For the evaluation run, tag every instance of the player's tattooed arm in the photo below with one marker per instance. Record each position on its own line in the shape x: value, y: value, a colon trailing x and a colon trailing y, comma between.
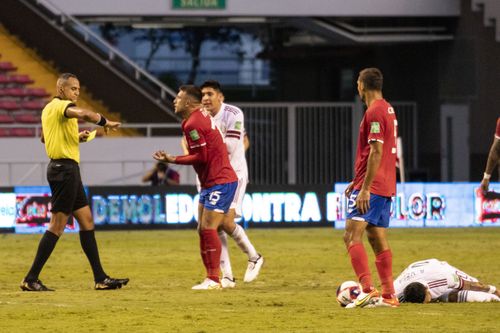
x: 479, y: 286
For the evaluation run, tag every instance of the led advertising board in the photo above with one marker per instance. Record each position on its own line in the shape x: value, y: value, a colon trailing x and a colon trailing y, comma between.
x: 27, y: 209
x: 432, y: 205
x: 415, y: 205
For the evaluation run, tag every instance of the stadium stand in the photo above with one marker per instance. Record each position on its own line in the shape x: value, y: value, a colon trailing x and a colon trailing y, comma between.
x: 25, y: 82
x: 7, y: 67
x: 6, y: 118
x: 97, y: 65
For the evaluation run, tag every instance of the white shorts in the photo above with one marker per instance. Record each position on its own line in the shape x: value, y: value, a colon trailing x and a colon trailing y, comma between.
x: 239, y: 195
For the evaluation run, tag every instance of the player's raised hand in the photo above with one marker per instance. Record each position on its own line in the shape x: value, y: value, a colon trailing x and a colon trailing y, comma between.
x: 111, y: 125
x: 160, y: 155
x: 163, y: 156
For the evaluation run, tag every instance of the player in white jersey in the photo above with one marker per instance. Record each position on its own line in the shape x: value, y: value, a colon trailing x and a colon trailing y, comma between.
x: 230, y: 120
x: 432, y: 280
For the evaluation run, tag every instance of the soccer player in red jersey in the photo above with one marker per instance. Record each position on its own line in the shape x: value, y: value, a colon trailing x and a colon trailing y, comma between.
x: 208, y: 155
x: 371, y: 190
x: 493, y: 158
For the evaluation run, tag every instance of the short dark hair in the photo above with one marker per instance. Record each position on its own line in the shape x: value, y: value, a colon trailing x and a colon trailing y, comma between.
x: 211, y: 84
x: 66, y: 76
x: 415, y: 292
x: 192, y: 91
x: 160, y: 166
x: 372, y: 78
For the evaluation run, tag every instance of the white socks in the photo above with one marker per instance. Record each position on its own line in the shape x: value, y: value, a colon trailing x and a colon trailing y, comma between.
x: 225, y: 263
x: 240, y: 237
x: 476, y: 296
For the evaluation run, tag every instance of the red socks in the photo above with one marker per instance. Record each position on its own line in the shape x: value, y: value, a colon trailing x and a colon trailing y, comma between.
x: 210, y: 248
x: 383, y: 261
x: 359, y: 261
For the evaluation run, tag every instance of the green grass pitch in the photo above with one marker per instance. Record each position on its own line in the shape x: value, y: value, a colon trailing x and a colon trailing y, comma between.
x: 294, y: 293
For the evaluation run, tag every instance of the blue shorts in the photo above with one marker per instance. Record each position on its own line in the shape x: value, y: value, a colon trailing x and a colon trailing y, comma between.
x: 379, y: 213
x: 218, y: 197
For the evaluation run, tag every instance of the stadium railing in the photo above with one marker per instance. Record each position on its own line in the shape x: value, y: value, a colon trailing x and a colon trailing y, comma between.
x: 110, y: 54
x: 313, y: 143
x: 290, y: 143
x: 147, y: 127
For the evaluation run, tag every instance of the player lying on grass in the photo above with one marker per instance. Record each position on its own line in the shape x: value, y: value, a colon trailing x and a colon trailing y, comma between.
x: 432, y: 280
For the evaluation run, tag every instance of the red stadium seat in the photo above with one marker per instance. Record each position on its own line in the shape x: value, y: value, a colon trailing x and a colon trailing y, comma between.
x: 22, y: 132
x: 36, y: 92
x: 6, y: 79
x: 4, y: 132
x: 24, y: 92
x: 27, y: 118
x: 7, y: 67
x: 9, y: 105
x: 14, y: 92
x: 33, y: 105
x: 6, y: 118
x: 21, y: 79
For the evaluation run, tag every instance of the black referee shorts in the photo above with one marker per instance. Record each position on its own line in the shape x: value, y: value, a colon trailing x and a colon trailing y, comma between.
x: 66, y: 186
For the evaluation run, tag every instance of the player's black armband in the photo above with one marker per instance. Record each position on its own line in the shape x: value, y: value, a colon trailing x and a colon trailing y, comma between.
x: 102, y: 121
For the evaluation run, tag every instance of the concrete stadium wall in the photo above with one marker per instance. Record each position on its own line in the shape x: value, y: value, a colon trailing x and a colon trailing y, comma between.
x: 104, y: 161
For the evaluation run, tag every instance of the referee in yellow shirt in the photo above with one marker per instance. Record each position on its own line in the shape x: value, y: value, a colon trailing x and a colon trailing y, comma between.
x: 61, y: 137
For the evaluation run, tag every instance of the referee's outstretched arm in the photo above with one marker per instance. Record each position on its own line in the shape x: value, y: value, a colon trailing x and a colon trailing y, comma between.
x: 91, y: 117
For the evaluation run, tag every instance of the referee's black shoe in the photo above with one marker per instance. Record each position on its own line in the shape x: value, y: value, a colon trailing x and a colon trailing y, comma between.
x: 34, y: 286
x: 110, y: 283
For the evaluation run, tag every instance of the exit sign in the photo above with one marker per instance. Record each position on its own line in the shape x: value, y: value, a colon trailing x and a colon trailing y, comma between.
x: 198, y: 4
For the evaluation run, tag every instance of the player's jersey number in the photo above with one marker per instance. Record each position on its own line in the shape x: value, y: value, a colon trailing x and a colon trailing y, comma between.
x: 351, y: 202
x: 214, y: 197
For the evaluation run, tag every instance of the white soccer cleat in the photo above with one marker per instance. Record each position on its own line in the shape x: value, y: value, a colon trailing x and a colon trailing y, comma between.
x: 207, y: 284
x: 253, y: 269
x: 350, y: 305
x: 227, y: 282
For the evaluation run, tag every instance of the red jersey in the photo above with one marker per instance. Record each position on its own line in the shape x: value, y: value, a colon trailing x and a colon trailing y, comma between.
x: 497, y: 132
x: 379, y: 124
x: 205, y: 142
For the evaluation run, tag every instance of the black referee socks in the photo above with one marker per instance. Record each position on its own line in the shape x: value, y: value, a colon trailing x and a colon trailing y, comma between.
x: 89, y: 246
x: 45, y: 248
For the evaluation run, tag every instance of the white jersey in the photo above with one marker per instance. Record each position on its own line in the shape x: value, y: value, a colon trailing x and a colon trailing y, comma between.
x: 231, y: 123
x: 440, y: 277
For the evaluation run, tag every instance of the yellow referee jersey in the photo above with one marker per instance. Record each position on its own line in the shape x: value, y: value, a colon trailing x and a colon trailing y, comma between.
x: 60, y: 133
